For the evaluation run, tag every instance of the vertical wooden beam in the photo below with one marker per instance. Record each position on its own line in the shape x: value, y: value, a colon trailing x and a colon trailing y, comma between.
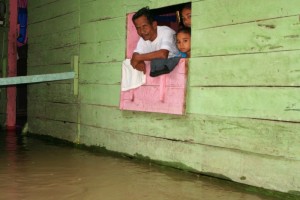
x: 12, y: 64
x: 74, y: 63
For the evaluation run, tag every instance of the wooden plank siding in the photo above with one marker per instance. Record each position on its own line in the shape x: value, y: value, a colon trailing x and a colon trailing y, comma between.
x: 53, y: 31
x: 243, y: 95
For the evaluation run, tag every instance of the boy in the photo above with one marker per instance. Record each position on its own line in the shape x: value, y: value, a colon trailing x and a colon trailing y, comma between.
x: 183, y: 42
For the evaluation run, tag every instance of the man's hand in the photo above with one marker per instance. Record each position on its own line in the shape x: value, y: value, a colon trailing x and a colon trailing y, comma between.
x: 137, y: 63
x: 135, y: 60
x: 141, y: 66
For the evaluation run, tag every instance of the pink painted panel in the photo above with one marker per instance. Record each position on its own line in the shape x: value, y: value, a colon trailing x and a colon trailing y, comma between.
x: 12, y: 64
x: 132, y: 36
x: 163, y: 94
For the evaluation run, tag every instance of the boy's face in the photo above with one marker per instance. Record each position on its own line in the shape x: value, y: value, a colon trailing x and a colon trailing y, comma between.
x: 145, y: 29
x: 186, y: 17
x: 183, y: 41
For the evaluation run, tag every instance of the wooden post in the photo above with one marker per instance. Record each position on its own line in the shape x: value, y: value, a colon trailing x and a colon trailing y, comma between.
x: 12, y: 64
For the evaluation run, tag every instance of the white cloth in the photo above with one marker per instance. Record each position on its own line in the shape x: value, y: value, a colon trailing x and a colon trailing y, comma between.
x: 131, y: 78
x: 165, y: 40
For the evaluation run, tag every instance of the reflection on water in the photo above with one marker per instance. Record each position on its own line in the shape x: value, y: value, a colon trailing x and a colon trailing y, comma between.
x: 34, y: 170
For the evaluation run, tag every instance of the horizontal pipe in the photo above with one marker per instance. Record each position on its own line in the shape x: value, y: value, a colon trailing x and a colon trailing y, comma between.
x: 36, y: 78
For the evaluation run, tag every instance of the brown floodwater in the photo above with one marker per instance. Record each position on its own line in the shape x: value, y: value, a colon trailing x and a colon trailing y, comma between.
x: 35, y: 169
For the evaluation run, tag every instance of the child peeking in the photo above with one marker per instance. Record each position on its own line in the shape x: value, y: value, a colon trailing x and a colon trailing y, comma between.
x: 183, y: 42
x: 186, y: 13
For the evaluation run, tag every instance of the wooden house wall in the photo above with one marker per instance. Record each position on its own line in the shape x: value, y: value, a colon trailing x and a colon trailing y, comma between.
x: 243, y: 96
x: 53, y: 40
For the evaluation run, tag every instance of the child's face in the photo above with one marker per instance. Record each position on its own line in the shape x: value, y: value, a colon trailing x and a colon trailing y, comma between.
x: 186, y: 17
x: 183, y: 41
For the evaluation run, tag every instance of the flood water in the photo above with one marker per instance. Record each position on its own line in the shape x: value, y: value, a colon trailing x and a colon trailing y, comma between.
x: 34, y: 169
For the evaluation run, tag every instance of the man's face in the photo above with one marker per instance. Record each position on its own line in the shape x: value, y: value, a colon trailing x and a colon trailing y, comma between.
x: 144, y: 29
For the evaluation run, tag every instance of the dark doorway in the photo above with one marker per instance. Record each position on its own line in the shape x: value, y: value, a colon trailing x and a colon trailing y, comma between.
x: 21, y: 100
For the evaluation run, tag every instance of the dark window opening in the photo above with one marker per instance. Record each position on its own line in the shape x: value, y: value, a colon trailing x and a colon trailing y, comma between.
x: 169, y: 16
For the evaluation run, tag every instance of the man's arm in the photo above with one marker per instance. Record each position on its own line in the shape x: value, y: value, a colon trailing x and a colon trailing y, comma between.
x: 137, y: 58
x: 160, y: 54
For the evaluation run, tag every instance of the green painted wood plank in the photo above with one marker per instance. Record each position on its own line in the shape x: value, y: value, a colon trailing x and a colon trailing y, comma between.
x: 265, y: 69
x: 48, y: 69
x: 206, y: 159
x: 66, y: 22
x: 53, y: 56
x: 90, y: 10
x: 55, y: 40
x: 262, y: 102
x: 103, y: 52
x: 44, y: 10
x: 64, y: 112
x: 107, y: 95
x: 58, y: 129
x: 277, y: 139
x: 36, y: 125
x: 52, y: 92
x: 38, y: 3
x: 36, y: 108
x: 240, y: 11
x: 166, y: 3
x: 101, y: 73
x: 37, y: 92
x: 248, y: 38
x: 103, y: 30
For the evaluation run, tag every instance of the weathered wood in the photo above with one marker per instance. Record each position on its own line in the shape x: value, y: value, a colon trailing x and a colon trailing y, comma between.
x: 278, y: 139
x: 50, y: 9
x: 49, y: 69
x: 59, y: 129
x: 234, y: 165
x: 212, y: 13
x: 103, y: 52
x: 36, y: 108
x: 57, y: 24
x: 280, y: 34
x: 107, y: 95
x: 65, y: 112
x: 101, y: 73
x: 243, y: 94
x: 55, y: 40
x: 54, y: 92
x: 92, y: 14
x: 265, y: 69
x: 54, y: 56
x: 263, y: 102
x: 103, y: 30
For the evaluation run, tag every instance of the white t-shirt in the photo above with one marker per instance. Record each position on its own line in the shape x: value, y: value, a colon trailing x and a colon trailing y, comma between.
x: 165, y: 40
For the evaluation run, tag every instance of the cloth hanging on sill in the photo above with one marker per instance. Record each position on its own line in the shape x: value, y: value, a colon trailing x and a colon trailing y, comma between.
x: 131, y: 78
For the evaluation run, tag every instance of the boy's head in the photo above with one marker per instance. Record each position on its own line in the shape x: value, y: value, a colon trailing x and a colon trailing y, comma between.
x: 144, y: 23
x: 183, y: 40
x: 186, y: 13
